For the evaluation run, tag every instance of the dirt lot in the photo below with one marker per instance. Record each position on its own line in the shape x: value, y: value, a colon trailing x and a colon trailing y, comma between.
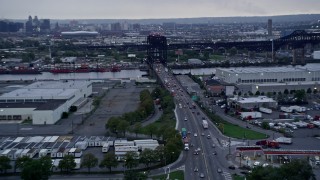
x: 116, y: 102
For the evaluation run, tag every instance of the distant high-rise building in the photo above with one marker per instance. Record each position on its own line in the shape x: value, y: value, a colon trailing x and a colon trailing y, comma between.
x: 29, y: 26
x: 125, y: 26
x: 37, y: 26
x: 136, y: 27
x: 169, y: 25
x: 36, y: 21
x: 73, y: 23
x: 116, y: 27
x: 45, y: 25
x: 7, y: 26
x: 269, y: 27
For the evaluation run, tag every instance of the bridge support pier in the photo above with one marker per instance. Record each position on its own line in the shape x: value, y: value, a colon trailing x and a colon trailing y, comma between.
x: 298, y: 56
x: 251, y: 54
x: 273, y: 57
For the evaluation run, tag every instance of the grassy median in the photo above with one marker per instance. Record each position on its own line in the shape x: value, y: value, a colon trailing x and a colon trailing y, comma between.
x: 234, y: 131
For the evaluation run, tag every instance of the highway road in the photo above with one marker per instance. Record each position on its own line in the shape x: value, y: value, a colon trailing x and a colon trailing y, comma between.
x: 208, y: 159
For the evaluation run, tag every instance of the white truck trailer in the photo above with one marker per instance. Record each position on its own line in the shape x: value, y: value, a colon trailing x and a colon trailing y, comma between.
x: 205, y: 124
x: 290, y: 109
x: 284, y: 140
x: 250, y: 115
x: 265, y: 110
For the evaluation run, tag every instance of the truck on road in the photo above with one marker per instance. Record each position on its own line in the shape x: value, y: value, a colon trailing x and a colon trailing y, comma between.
x: 184, y: 133
x: 185, y: 138
x: 205, y: 124
x: 186, y: 144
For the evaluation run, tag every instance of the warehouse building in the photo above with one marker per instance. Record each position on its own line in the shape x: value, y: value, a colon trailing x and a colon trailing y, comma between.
x: 266, y: 75
x: 252, y: 102
x: 281, y: 87
x: 43, y: 101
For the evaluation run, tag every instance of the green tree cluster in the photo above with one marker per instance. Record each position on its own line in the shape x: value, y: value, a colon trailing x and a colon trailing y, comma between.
x: 34, y: 169
x: 4, y: 164
x: 89, y: 161
x: 122, y: 123
x: 109, y: 161
x: 67, y: 163
x: 296, y: 170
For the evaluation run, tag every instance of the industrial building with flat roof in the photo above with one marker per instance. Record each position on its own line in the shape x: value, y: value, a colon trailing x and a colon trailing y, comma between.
x: 43, y: 101
x: 253, y: 102
x: 251, y: 75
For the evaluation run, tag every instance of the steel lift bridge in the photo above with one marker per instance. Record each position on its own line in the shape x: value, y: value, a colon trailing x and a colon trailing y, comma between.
x: 157, y: 46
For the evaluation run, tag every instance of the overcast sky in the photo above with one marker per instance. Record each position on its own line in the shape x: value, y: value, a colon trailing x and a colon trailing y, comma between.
x: 144, y: 9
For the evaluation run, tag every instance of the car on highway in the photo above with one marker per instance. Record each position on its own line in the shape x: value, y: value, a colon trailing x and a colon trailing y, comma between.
x: 214, y: 152
x: 195, y: 152
x: 209, y: 137
x: 202, y: 134
x: 213, y: 145
x: 232, y: 167
x: 219, y: 170
x: 245, y: 172
x: 185, y: 118
x: 195, y: 134
x: 257, y: 163
x: 201, y: 175
x: 196, y: 169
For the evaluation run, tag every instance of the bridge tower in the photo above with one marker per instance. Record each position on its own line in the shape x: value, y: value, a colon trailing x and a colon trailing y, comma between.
x: 157, y: 48
x: 298, y: 56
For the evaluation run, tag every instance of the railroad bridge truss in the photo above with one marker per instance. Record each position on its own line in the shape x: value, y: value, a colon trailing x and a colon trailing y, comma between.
x: 157, y: 46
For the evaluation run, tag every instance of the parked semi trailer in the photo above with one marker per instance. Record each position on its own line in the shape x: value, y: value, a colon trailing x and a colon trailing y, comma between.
x: 284, y: 140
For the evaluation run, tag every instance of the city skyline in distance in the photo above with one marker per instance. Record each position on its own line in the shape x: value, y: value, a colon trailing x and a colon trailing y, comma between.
x: 150, y: 9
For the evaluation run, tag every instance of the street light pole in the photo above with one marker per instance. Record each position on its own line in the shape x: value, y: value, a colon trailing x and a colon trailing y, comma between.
x: 229, y: 146
x: 72, y: 126
x: 272, y: 50
x: 168, y: 177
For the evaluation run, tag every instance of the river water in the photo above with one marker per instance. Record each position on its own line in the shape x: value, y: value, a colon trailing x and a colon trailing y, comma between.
x: 91, y: 75
x: 98, y: 75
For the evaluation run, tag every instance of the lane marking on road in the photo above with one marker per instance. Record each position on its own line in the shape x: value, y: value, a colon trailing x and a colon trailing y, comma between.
x: 26, y: 129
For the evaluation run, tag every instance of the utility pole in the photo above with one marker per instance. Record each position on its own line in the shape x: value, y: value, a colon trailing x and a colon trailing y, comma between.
x: 272, y: 56
x: 229, y: 146
x: 72, y: 126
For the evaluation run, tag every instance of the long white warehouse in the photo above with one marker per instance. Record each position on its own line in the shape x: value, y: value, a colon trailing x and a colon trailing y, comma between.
x: 251, y: 75
x: 43, y: 101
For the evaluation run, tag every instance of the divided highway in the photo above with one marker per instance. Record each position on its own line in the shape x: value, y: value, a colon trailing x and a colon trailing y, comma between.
x: 206, y: 159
